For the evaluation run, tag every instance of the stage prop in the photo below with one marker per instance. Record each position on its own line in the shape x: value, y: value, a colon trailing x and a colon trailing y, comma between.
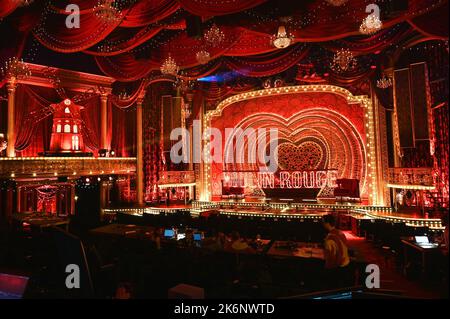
x: 324, y: 134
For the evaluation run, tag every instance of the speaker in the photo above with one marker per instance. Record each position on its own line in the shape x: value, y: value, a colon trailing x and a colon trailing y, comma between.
x: 62, y: 179
x: 194, y: 26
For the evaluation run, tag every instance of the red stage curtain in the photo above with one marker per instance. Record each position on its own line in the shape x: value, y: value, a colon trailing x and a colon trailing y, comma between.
x: 123, y: 140
x: 139, y: 38
x: 125, y: 67
x: 149, y: 11
x: 91, y: 123
x: 216, y: 8
x: 54, y: 35
x: 33, y: 136
x: 7, y: 7
x: 268, y: 64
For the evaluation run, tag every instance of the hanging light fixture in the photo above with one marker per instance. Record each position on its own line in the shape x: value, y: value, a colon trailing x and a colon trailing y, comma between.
x: 343, y: 61
x: 282, y: 39
x: 203, y: 57
x: 384, y: 82
x: 108, y: 11
x: 336, y: 3
x: 15, y: 68
x: 214, y: 36
x: 169, y: 66
x: 371, y: 24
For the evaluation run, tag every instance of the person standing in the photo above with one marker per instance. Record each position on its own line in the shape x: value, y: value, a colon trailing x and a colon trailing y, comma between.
x: 336, y: 255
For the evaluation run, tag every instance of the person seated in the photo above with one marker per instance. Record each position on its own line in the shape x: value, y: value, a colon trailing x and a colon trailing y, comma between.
x: 238, y: 244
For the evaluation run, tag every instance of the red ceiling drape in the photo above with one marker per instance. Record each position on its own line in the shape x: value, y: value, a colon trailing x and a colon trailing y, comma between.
x: 150, y: 11
x: 7, y: 7
x: 217, y: 8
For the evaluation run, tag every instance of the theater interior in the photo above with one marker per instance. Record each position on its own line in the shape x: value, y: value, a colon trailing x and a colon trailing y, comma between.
x: 224, y: 149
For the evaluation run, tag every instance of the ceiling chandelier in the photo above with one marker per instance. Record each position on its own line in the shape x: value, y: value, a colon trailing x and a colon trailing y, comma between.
x: 23, y: 3
x: 282, y: 40
x: 108, y: 11
x: 384, y: 82
x: 15, y: 68
x: 169, y: 66
x: 343, y: 61
x: 203, y: 57
x: 371, y: 24
x: 214, y: 36
x: 336, y: 3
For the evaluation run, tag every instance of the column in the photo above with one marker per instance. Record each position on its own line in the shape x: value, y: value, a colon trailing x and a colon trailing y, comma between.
x: 104, y: 121
x: 139, y: 154
x: 11, y: 135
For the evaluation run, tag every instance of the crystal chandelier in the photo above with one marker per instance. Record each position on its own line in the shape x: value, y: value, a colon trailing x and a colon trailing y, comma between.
x: 203, y: 57
x: 384, y: 82
x: 169, y: 66
x: 343, y: 61
x: 336, y: 3
x: 15, y: 68
x: 108, y: 11
x: 124, y: 96
x: 214, y: 36
x: 23, y: 3
x: 370, y: 25
x: 282, y: 40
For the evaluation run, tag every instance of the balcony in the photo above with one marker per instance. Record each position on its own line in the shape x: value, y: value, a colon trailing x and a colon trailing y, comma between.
x: 177, y: 178
x: 37, y: 167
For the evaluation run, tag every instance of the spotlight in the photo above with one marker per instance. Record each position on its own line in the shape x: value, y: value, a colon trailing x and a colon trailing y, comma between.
x: 112, y: 153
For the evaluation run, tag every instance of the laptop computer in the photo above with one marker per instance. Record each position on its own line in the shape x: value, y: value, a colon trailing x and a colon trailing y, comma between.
x: 424, y: 241
x: 12, y: 286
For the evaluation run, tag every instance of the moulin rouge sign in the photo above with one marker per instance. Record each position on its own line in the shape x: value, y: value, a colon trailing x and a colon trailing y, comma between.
x: 286, y: 179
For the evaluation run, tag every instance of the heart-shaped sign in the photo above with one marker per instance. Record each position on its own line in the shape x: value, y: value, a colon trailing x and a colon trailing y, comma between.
x: 306, y: 156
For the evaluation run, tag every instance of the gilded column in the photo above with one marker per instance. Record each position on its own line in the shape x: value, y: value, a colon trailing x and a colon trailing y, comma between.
x: 139, y: 154
x: 11, y: 134
x: 104, y: 121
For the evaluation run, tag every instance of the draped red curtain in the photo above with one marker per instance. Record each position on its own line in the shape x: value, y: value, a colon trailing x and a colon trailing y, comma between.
x: 268, y: 64
x: 33, y: 136
x: 150, y: 11
x: 123, y: 140
x: 90, y: 115
x: 216, y: 8
x: 7, y: 7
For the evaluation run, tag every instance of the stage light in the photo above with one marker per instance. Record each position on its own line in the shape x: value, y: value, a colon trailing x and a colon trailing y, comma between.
x: 112, y: 153
x: 87, y: 180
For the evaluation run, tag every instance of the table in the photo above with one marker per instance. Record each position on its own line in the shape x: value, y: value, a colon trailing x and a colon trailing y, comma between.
x: 40, y: 221
x: 426, y: 251
x: 122, y: 230
x: 296, y: 249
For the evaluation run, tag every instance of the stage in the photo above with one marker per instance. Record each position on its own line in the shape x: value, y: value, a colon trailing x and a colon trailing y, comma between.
x: 277, y: 210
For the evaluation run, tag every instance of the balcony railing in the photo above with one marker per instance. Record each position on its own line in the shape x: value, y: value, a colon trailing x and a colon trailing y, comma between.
x: 24, y: 167
x: 177, y: 177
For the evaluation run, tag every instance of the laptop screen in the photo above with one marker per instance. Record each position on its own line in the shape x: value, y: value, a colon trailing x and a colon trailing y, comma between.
x: 169, y: 233
x: 422, y: 239
x: 12, y: 286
